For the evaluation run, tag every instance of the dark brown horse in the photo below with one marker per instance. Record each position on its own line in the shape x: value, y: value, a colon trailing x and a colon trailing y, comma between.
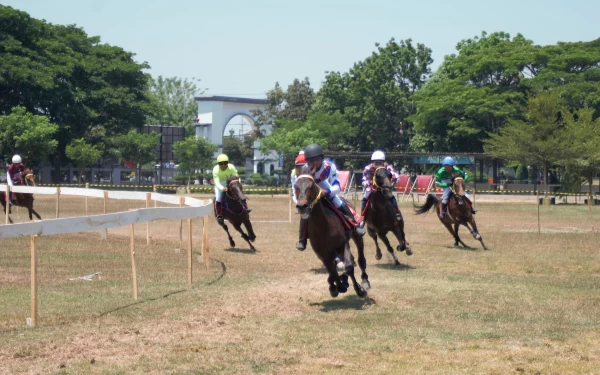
x: 459, y: 211
x: 329, y: 238
x: 234, y: 210
x: 23, y: 199
x: 381, y: 215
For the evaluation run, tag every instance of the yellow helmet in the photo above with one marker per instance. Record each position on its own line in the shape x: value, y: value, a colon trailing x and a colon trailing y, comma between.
x: 221, y: 158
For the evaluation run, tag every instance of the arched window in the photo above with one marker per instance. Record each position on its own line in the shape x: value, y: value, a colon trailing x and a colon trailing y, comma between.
x: 271, y: 169
x: 260, y: 168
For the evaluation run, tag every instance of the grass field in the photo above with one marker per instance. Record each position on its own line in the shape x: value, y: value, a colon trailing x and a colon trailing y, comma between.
x: 529, y: 305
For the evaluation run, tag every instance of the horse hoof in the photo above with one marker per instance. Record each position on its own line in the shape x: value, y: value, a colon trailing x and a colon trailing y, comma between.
x: 333, y: 291
x: 409, y: 251
x: 366, y: 285
x: 399, y: 248
x: 378, y: 256
x: 361, y: 293
x: 252, y: 239
x: 232, y: 244
x: 342, y: 289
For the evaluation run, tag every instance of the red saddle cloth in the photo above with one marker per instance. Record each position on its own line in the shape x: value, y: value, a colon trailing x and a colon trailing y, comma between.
x: 348, y: 224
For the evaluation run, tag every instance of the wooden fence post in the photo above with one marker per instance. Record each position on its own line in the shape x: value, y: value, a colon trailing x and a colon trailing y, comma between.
x: 7, y: 202
x: 148, y: 198
x: 181, y: 203
x: 205, y: 250
x: 133, y: 268
x: 34, y: 292
x: 189, y: 222
x: 105, y: 206
x: 57, y: 201
x: 87, y: 186
x: 291, y: 203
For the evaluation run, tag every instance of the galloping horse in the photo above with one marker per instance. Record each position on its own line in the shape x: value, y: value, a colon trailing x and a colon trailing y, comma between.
x: 234, y: 211
x: 459, y: 211
x: 328, y: 238
x: 381, y: 215
x: 23, y: 199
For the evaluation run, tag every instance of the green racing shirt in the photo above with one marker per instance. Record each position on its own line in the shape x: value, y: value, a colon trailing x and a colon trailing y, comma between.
x: 442, y: 175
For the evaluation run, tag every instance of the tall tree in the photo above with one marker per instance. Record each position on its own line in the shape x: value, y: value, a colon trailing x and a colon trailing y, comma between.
x: 376, y: 95
x: 136, y: 147
x: 540, y: 140
x: 89, y: 89
x: 173, y: 102
x: 193, y: 154
x: 238, y: 149
x: 82, y: 154
x: 32, y: 136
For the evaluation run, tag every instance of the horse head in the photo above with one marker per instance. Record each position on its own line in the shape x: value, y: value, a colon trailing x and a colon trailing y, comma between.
x: 235, y: 190
x: 382, y: 181
x: 28, y: 177
x: 458, y: 189
x: 308, y: 193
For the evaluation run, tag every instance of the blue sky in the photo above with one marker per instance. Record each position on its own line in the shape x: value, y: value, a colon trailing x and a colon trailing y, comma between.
x: 243, y: 47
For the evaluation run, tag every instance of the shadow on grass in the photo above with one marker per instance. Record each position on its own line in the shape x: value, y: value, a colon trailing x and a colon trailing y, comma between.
x: 241, y: 251
x: 219, y: 277
x: 349, y: 302
x: 319, y: 271
x: 460, y: 247
x: 392, y: 266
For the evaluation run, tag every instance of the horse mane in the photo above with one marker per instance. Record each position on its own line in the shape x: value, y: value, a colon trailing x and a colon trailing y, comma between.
x: 231, y: 178
x: 305, y: 169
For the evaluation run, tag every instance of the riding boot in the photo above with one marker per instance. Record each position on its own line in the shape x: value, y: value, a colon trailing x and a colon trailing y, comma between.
x: 444, y: 208
x: 363, y: 213
x: 301, y: 244
x: 219, y: 208
x: 344, y: 209
x: 395, y: 205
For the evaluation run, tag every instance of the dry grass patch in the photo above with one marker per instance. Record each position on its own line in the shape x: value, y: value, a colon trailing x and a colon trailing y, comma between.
x: 529, y: 305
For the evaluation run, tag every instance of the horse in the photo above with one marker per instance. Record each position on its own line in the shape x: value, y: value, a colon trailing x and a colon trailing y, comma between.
x: 459, y: 211
x: 328, y: 237
x: 381, y: 215
x: 234, y: 210
x: 23, y: 199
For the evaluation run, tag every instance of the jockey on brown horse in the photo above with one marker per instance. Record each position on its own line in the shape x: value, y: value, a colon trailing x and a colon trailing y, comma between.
x: 325, y: 174
x: 19, y: 175
x: 14, y: 175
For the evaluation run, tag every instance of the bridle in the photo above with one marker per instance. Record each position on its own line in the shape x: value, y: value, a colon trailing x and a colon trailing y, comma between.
x: 319, y: 196
x: 452, y: 187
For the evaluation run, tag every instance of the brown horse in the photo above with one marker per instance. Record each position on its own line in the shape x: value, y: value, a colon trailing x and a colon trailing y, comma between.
x: 234, y: 210
x: 329, y: 238
x: 23, y: 199
x: 459, y: 211
x: 381, y: 215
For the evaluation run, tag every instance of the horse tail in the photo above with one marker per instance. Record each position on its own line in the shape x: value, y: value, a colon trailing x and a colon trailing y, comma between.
x: 432, y: 201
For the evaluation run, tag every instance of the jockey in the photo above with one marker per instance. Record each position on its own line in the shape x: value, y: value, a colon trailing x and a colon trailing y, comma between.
x: 443, y: 179
x: 300, y: 161
x: 327, y: 179
x: 377, y: 161
x: 15, y: 174
x: 221, y: 172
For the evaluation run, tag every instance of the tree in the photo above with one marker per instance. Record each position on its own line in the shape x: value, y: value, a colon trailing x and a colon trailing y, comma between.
x: 584, y: 134
x: 376, y: 95
x: 173, y: 101
x: 82, y: 154
x: 194, y: 154
x: 541, y: 139
x: 238, y: 149
x: 32, y: 136
x: 137, y: 147
x: 87, y: 88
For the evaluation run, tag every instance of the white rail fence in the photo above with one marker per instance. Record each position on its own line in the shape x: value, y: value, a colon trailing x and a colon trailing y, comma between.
x: 189, y: 208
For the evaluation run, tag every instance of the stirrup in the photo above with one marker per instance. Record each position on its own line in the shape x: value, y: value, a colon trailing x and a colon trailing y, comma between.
x: 399, y: 217
x: 248, y: 210
x: 359, y: 230
x: 301, y: 245
x: 473, y: 211
x: 220, y: 220
x: 442, y: 214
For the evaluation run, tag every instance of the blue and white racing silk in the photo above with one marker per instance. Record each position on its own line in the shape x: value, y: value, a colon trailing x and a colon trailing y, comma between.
x: 327, y: 179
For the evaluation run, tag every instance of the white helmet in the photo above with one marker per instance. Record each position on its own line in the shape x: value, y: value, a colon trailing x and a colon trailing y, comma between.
x: 378, y: 156
x: 16, y: 159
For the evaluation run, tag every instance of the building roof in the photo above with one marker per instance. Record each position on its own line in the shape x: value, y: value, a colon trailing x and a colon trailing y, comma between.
x: 230, y: 99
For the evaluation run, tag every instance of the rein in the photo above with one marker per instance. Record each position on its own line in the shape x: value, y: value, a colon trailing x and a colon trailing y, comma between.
x: 375, y: 177
x: 318, y: 198
x: 452, y: 187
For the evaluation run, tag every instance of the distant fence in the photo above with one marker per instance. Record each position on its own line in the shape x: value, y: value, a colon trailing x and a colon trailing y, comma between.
x: 189, y: 208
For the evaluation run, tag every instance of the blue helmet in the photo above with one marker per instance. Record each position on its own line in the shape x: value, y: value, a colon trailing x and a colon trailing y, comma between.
x: 448, y: 161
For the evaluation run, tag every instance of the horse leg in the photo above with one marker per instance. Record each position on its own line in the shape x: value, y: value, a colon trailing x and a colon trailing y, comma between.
x: 475, y: 233
x: 399, y: 233
x: 4, y: 207
x: 31, y: 210
x: 238, y: 227
x: 362, y: 261
x: 231, y: 242
x: 335, y: 283
x: 373, y: 235
x: 449, y: 227
x: 389, y: 247
x: 456, y: 236
x: 249, y: 229
x: 360, y: 291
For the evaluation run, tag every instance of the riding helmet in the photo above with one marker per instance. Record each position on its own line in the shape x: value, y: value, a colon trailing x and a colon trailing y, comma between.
x: 221, y: 158
x: 448, y: 161
x: 16, y: 159
x: 378, y: 156
x: 312, y: 151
